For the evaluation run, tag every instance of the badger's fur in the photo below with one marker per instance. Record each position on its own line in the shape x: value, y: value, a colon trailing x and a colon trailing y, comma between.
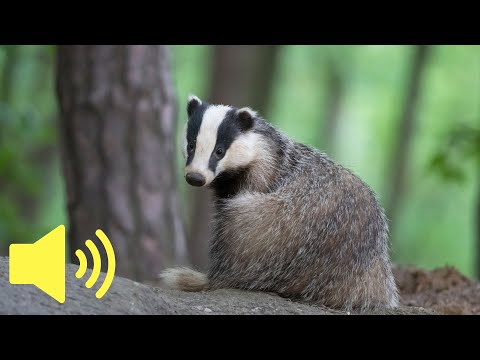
x: 287, y: 218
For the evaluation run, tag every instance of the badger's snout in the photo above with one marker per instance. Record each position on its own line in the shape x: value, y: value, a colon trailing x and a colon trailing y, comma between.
x: 195, y: 179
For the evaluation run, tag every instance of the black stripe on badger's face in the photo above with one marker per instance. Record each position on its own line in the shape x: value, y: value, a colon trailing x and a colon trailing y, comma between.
x: 193, y: 127
x: 227, y: 132
x: 217, y: 140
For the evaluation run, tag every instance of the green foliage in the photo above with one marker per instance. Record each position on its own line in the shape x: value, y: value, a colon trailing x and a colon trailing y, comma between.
x: 28, y: 142
x: 462, y: 144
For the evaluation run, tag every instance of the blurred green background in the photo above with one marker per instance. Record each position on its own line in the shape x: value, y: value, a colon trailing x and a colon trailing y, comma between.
x: 436, y: 219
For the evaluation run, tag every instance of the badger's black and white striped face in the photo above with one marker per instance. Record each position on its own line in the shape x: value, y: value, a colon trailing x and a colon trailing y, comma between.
x: 218, y: 138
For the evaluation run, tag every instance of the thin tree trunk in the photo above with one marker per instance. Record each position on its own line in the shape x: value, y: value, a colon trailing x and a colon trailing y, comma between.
x: 335, y: 90
x: 406, y: 126
x: 117, y: 132
x: 259, y: 90
x: 477, y: 218
x: 241, y: 76
x: 477, y: 250
x: 8, y: 76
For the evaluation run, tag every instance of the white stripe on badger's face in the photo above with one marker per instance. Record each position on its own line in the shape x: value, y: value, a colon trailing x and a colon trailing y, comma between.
x: 206, y: 140
x: 243, y: 150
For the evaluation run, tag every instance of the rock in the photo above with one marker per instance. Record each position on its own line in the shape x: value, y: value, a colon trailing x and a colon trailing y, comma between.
x: 129, y: 297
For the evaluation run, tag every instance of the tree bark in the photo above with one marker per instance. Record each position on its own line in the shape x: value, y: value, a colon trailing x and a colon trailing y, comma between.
x: 406, y: 126
x: 117, y: 131
x: 241, y: 76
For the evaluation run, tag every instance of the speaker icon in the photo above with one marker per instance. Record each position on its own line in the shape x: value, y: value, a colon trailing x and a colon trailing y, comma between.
x: 43, y: 264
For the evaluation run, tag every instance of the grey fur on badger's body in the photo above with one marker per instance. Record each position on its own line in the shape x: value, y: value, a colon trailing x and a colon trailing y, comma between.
x: 291, y: 221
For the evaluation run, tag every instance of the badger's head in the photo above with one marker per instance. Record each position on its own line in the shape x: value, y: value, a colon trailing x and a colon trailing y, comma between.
x: 218, y: 139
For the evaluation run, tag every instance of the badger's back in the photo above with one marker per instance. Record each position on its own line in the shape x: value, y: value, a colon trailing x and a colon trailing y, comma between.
x: 318, y: 234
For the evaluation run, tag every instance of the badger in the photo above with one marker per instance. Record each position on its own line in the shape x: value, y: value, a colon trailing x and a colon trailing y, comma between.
x: 287, y: 218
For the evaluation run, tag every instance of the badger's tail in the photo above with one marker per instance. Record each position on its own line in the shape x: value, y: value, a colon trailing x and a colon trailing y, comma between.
x: 185, y: 279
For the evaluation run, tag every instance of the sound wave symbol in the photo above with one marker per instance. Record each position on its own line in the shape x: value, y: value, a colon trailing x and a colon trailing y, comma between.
x: 97, y: 263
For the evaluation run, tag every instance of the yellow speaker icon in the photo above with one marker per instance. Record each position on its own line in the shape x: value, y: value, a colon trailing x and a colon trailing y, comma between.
x: 43, y: 264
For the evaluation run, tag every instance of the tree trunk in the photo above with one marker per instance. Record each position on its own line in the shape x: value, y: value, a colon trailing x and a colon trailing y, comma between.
x: 477, y: 250
x: 241, y: 76
x: 8, y: 76
x: 406, y: 125
x: 477, y: 215
x: 117, y: 131
x: 335, y: 90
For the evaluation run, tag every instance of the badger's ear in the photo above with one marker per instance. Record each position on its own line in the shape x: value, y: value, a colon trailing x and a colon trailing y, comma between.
x: 246, y: 118
x: 193, y: 102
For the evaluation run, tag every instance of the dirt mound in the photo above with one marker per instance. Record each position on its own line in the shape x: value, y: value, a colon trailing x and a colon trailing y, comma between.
x: 444, y: 290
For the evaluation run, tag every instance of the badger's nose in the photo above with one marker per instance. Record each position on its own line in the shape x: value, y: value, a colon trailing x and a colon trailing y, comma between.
x: 195, y: 179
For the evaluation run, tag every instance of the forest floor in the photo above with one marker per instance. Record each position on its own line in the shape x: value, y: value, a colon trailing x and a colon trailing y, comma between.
x: 444, y: 290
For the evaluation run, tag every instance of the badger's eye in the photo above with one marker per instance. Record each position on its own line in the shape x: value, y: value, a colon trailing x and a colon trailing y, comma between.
x: 219, y: 152
x: 191, y: 145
